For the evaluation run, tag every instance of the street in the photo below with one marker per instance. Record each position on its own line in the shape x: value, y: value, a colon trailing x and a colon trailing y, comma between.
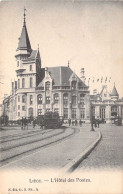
x: 109, y: 152
x: 55, y: 148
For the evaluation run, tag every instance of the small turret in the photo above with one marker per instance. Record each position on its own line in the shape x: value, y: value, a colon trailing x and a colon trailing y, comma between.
x: 114, y: 94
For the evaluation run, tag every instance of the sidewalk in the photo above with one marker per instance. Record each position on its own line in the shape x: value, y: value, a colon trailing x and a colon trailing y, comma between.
x: 59, y: 154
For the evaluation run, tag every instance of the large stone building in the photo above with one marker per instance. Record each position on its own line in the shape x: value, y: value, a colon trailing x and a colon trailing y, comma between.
x: 107, y: 105
x: 38, y: 90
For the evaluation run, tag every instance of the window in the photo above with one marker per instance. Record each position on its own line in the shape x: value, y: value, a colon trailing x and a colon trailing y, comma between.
x: 23, y: 108
x: 82, y: 113
x: 48, y: 100
x: 73, y: 100
x: 18, y: 98
x: 56, y: 98
x: 31, y: 82
x: 73, y: 113
x: 47, y: 85
x: 30, y: 112
x: 17, y: 63
x: 39, y: 99
x: 47, y: 110
x: 93, y: 112
x: 18, y: 107
x: 18, y: 114
x: 65, y: 98
x: 73, y: 85
x: 23, y: 82
x: 39, y: 111
x: 65, y: 113
x: 23, y: 98
x: 31, y: 99
x: 18, y: 83
x: 102, y: 112
x: 56, y: 110
x: 30, y: 67
x: 82, y: 99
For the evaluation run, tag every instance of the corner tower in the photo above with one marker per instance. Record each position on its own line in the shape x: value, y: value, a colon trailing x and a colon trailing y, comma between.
x: 28, y: 72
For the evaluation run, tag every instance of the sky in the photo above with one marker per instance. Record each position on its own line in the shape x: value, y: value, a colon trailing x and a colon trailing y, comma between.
x: 87, y: 33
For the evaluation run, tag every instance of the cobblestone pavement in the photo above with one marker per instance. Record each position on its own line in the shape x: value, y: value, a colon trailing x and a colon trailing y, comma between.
x: 59, y: 154
x: 109, y: 152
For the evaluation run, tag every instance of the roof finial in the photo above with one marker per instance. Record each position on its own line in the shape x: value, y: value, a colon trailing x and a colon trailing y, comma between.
x: 24, y: 16
x: 68, y: 63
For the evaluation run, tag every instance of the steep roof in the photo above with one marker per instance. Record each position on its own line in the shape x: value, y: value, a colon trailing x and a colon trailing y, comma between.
x: 24, y: 42
x: 114, y: 91
x: 61, y: 76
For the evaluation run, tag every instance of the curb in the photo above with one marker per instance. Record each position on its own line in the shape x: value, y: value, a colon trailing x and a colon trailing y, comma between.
x: 71, y: 166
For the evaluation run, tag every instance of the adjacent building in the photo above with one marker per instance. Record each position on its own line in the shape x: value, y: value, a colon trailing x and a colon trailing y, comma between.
x: 107, y: 105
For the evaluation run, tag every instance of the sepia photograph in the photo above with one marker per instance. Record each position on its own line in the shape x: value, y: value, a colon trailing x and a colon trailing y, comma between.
x: 61, y: 97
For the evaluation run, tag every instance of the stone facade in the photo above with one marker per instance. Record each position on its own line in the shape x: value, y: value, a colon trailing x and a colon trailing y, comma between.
x: 38, y: 90
x: 107, y: 105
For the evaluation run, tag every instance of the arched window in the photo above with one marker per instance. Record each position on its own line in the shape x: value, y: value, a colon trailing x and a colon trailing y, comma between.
x: 30, y: 112
x: 114, y: 111
x: 73, y: 85
x: 23, y: 82
x: 23, y: 98
x: 102, y: 112
x: 39, y: 99
x: 65, y: 98
x: 56, y: 98
x: 18, y: 83
x: 48, y: 100
x: 47, y: 85
x: 74, y: 100
x: 31, y: 82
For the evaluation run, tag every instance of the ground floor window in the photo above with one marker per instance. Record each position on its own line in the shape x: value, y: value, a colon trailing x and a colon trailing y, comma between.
x: 56, y: 110
x: 39, y: 111
x: 73, y: 113
x: 65, y: 113
x: 102, y: 112
x: 82, y: 113
x: 19, y: 114
x: 30, y: 112
x: 114, y: 111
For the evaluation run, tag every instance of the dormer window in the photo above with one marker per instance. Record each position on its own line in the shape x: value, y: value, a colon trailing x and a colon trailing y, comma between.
x: 47, y: 85
x: 73, y: 85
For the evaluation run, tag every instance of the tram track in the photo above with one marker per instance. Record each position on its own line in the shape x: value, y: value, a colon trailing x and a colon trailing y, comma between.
x: 29, y: 134
x: 38, y: 147
x: 32, y: 141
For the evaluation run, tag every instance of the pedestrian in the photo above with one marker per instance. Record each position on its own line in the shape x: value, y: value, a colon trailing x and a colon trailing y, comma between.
x: 95, y: 123
x: 34, y: 123
x: 80, y: 123
x: 69, y: 121
x: 76, y: 122
x: 22, y: 123
x: 98, y: 123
